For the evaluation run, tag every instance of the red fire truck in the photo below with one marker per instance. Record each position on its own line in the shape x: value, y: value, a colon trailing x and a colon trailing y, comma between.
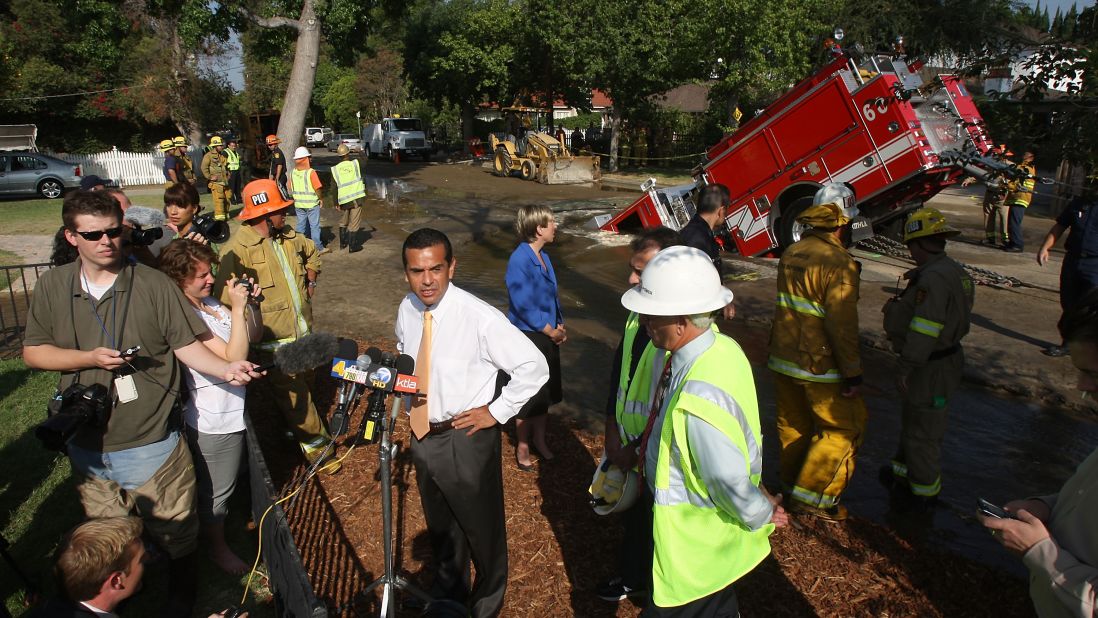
x: 870, y: 122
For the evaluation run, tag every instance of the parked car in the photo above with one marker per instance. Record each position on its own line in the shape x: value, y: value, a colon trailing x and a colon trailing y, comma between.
x: 315, y: 137
x: 353, y: 142
x: 29, y: 173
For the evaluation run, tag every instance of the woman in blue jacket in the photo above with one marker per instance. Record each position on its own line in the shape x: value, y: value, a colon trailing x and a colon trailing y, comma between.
x: 535, y: 310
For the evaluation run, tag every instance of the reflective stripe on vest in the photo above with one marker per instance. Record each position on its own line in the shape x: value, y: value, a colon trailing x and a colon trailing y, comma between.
x: 633, y: 408
x: 793, y: 370
x: 348, y: 178
x: 234, y: 159
x: 800, y: 304
x: 700, y: 548
x: 291, y: 284
x: 303, y: 193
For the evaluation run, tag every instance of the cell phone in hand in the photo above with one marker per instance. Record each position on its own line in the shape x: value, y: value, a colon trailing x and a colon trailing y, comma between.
x: 131, y: 351
x: 991, y: 510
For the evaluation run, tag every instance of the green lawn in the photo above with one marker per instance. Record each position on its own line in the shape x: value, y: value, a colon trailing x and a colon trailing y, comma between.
x: 38, y: 504
x: 41, y: 216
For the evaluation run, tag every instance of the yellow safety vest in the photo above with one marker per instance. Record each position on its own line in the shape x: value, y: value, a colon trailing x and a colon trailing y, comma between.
x: 1021, y: 194
x: 234, y: 159
x: 303, y: 192
x: 348, y: 178
x: 699, y: 547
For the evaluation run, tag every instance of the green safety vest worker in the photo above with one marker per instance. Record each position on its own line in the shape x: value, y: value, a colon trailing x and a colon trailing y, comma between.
x: 700, y: 548
x: 348, y: 179
x: 234, y: 159
x: 304, y: 195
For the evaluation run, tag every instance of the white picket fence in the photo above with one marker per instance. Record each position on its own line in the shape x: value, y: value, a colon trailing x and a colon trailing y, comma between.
x: 125, y: 168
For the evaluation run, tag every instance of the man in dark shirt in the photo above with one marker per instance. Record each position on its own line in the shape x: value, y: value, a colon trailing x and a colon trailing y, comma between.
x: 1079, y: 273
x: 712, y: 207
x: 635, y: 553
x: 277, y: 172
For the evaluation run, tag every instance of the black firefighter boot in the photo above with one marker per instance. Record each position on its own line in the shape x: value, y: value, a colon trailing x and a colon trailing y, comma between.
x: 342, y: 238
x: 182, y: 586
x: 355, y: 240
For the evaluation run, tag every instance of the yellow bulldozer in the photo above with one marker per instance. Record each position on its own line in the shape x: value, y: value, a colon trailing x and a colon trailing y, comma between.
x: 542, y: 157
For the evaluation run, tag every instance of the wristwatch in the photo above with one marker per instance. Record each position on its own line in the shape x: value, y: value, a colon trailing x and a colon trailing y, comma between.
x: 311, y: 284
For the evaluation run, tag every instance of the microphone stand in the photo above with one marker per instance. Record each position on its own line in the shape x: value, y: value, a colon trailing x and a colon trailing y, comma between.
x: 389, y: 581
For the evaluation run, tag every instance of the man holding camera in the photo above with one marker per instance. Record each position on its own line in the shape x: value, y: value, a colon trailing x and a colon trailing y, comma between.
x: 117, y: 332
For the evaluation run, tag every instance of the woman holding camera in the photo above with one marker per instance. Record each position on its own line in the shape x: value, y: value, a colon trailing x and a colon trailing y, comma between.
x: 214, y: 411
x: 535, y: 310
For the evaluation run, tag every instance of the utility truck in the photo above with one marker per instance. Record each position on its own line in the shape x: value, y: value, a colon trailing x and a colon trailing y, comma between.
x: 397, y: 136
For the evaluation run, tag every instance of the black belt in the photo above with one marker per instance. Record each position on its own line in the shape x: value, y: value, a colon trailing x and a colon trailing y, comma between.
x: 940, y: 354
x: 442, y: 427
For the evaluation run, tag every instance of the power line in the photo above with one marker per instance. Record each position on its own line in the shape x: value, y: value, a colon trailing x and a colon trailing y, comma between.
x: 89, y: 92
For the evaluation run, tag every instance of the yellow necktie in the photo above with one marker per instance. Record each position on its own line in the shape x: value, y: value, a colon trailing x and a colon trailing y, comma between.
x: 420, y: 420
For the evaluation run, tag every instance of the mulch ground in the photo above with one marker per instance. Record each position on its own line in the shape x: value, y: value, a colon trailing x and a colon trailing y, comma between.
x: 559, y: 549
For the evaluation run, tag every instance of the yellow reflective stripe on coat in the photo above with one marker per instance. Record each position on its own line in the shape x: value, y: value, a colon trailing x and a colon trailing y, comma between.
x: 812, y: 498
x: 303, y: 192
x: 291, y: 284
x: 800, y: 304
x: 792, y: 370
x: 926, y: 327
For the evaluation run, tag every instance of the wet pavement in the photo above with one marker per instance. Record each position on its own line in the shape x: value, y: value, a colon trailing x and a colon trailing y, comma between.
x: 997, y: 448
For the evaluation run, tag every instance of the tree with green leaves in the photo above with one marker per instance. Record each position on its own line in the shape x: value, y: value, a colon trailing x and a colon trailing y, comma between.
x: 462, y: 51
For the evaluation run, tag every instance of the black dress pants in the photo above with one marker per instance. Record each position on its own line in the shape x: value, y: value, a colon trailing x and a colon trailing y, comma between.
x: 460, y: 483
x: 720, y: 604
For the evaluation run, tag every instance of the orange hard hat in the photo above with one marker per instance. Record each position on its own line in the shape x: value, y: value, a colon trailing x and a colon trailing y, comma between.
x: 262, y: 197
x: 273, y: 139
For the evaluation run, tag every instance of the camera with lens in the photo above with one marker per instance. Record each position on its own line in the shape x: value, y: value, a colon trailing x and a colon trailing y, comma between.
x: 143, y: 238
x: 213, y: 230
x: 76, y: 406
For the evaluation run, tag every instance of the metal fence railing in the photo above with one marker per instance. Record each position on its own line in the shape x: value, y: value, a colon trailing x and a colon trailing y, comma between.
x: 17, y: 283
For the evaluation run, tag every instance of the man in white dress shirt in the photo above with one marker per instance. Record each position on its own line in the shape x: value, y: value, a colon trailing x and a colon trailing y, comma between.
x: 460, y: 343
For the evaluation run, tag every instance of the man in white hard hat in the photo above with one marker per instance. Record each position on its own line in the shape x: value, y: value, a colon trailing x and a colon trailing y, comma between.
x: 306, y: 191
x: 701, y: 452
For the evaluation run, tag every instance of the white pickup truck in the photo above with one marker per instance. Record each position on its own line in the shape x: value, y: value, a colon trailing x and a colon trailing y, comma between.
x: 397, y: 135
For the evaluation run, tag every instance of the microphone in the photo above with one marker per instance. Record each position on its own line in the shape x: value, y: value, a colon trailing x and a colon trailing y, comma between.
x: 145, y: 217
x: 308, y: 352
x: 338, y: 425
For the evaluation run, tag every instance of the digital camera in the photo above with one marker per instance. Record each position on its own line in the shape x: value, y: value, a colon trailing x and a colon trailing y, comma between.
x: 71, y: 409
x: 213, y: 230
x: 144, y: 238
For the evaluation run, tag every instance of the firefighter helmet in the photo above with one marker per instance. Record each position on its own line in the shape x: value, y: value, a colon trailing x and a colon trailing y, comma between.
x: 167, y: 145
x: 927, y: 222
x: 678, y: 281
x: 343, y: 150
x: 302, y: 153
x: 841, y: 195
x: 612, y: 489
x: 272, y: 140
x: 179, y: 140
x: 216, y: 141
x: 262, y: 197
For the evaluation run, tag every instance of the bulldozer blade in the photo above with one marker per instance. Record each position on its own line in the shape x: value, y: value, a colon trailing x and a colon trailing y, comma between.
x: 569, y: 171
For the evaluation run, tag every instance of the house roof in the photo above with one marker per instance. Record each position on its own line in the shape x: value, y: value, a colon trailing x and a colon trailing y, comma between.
x: 690, y: 98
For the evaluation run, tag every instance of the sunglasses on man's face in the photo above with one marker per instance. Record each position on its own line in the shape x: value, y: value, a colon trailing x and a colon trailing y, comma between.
x: 113, y: 232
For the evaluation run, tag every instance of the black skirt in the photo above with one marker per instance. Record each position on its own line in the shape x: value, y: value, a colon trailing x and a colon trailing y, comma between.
x: 551, y: 392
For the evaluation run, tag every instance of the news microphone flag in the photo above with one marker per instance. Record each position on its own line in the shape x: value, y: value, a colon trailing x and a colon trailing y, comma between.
x: 377, y: 377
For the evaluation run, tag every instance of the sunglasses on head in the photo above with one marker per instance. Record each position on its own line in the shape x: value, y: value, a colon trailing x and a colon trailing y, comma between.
x: 113, y: 232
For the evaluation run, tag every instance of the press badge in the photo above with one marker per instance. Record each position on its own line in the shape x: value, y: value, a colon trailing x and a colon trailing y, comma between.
x: 126, y: 389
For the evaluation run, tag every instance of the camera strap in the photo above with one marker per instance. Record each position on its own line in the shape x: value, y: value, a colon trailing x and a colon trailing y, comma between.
x: 116, y: 339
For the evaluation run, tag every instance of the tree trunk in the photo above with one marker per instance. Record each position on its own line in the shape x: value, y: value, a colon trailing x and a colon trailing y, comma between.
x: 468, y: 115
x: 291, y: 123
x: 615, y: 138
